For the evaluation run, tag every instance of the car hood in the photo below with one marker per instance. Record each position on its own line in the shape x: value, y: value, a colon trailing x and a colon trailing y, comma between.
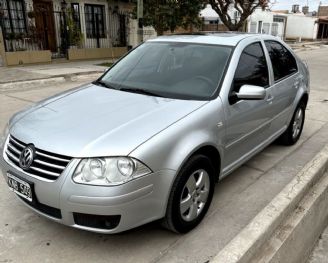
x: 95, y: 121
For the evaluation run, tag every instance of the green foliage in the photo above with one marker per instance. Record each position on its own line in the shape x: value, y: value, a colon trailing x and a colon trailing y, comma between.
x: 190, y: 12
x: 166, y: 15
x: 74, y: 32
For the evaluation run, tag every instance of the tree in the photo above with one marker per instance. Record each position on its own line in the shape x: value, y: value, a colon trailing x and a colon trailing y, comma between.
x: 166, y: 15
x: 244, y: 7
x: 189, y: 13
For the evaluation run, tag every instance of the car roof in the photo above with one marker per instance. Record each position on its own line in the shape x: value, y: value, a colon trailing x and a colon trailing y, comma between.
x: 212, y: 38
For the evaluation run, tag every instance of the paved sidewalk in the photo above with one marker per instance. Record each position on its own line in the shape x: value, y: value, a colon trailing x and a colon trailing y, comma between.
x: 45, y: 71
x: 305, y: 46
x: 320, y: 253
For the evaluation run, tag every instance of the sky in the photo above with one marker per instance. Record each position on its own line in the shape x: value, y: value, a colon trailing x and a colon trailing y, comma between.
x: 287, y: 4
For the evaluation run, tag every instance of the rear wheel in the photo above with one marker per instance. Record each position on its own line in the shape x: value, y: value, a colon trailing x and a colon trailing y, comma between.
x: 191, y: 195
x: 294, y: 130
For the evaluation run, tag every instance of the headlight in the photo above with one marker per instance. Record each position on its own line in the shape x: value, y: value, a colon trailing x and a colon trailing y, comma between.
x: 3, y: 136
x: 109, y: 171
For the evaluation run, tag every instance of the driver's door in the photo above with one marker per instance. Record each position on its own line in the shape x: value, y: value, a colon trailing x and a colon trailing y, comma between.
x: 247, y: 121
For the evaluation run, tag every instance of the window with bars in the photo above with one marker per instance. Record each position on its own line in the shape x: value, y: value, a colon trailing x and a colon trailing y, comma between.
x: 274, y: 29
x: 237, y: 14
x: 278, y: 19
x: 14, y: 20
x: 253, y: 27
x: 266, y: 28
x: 95, y: 21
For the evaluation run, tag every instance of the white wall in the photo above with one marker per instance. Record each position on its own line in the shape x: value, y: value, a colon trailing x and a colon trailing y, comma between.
x: 209, y: 14
x: 133, y: 39
x: 300, y: 26
x: 133, y: 33
x: 260, y: 15
x: 149, y: 33
x: 268, y: 25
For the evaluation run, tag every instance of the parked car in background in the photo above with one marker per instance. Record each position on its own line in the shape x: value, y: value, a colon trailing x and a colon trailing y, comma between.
x: 151, y: 137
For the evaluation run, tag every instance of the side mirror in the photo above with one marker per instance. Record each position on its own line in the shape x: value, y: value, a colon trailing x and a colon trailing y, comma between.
x: 250, y: 92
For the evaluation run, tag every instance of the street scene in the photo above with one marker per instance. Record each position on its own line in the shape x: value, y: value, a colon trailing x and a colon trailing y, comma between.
x: 192, y: 148
x: 238, y: 198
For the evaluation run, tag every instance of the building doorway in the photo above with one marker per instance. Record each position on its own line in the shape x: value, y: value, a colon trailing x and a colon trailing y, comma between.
x: 44, y: 23
x: 322, y: 29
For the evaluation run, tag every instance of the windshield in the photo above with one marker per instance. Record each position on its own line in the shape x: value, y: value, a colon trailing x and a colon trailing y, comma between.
x: 172, y: 70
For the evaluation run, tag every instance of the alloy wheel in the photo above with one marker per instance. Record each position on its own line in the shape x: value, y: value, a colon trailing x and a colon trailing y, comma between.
x: 194, y: 195
x: 298, y: 122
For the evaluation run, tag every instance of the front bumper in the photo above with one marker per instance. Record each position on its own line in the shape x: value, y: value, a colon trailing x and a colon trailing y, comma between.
x: 130, y: 205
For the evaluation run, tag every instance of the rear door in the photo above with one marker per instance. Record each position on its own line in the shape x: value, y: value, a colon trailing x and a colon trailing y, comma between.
x: 287, y: 80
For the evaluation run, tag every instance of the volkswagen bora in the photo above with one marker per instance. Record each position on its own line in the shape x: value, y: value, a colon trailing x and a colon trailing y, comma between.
x: 150, y: 138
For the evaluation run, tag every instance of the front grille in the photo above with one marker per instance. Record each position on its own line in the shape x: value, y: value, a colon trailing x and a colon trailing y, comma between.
x: 45, y: 209
x: 45, y: 164
x: 97, y: 221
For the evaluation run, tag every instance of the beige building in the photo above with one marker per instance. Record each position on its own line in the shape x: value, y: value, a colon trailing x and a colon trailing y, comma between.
x: 323, y: 11
x: 323, y: 22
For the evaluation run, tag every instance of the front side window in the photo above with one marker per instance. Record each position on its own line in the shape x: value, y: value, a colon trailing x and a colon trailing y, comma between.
x: 252, y: 68
x: 95, y: 21
x: 14, y: 21
x: 172, y: 70
x: 283, y: 62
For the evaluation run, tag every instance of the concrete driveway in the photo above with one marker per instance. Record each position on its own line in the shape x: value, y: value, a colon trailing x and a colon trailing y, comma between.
x: 27, y: 237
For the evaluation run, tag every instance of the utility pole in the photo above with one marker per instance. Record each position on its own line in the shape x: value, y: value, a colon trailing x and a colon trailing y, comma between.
x: 140, y: 20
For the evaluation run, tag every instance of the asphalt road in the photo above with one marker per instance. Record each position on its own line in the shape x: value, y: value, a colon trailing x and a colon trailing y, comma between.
x: 27, y: 237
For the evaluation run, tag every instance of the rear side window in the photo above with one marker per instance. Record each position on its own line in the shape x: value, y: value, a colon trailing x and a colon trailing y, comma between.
x: 283, y: 62
x: 252, y: 68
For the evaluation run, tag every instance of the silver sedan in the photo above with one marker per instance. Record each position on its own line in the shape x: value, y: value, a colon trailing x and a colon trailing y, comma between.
x: 151, y: 137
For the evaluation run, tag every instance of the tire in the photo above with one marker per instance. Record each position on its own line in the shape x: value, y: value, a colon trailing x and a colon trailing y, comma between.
x: 191, y: 195
x: 294, y: 130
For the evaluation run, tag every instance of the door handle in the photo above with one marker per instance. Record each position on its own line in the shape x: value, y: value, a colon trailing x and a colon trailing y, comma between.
x: 270, y: 98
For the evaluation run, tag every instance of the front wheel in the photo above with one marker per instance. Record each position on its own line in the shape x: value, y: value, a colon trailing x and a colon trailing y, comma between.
x: 294, y: 130
x: 191, y: 195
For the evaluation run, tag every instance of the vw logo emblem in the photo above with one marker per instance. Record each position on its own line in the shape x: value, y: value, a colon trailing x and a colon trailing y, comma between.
x: 26, y: 157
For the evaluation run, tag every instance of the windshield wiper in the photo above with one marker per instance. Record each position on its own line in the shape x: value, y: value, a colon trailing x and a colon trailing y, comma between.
x: 134, y: 90
x: 142, y: 91
x: 104, y: 84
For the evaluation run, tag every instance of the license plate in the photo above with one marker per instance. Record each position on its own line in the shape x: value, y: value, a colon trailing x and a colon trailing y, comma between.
x: 20, y: 187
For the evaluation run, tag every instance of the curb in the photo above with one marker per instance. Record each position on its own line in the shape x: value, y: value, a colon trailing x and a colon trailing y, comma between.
x: 294, y: 240
x: 255, y: 238
x: 52, y: 80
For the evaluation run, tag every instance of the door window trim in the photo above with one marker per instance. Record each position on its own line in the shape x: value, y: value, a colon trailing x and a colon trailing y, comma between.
x: 287, y: 76
x: 268, y: 68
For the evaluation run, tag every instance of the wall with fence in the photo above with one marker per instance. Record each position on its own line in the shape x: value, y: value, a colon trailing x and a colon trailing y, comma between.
x: 214, y: 27
x: 58, y: 26
x: 2, y: 51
